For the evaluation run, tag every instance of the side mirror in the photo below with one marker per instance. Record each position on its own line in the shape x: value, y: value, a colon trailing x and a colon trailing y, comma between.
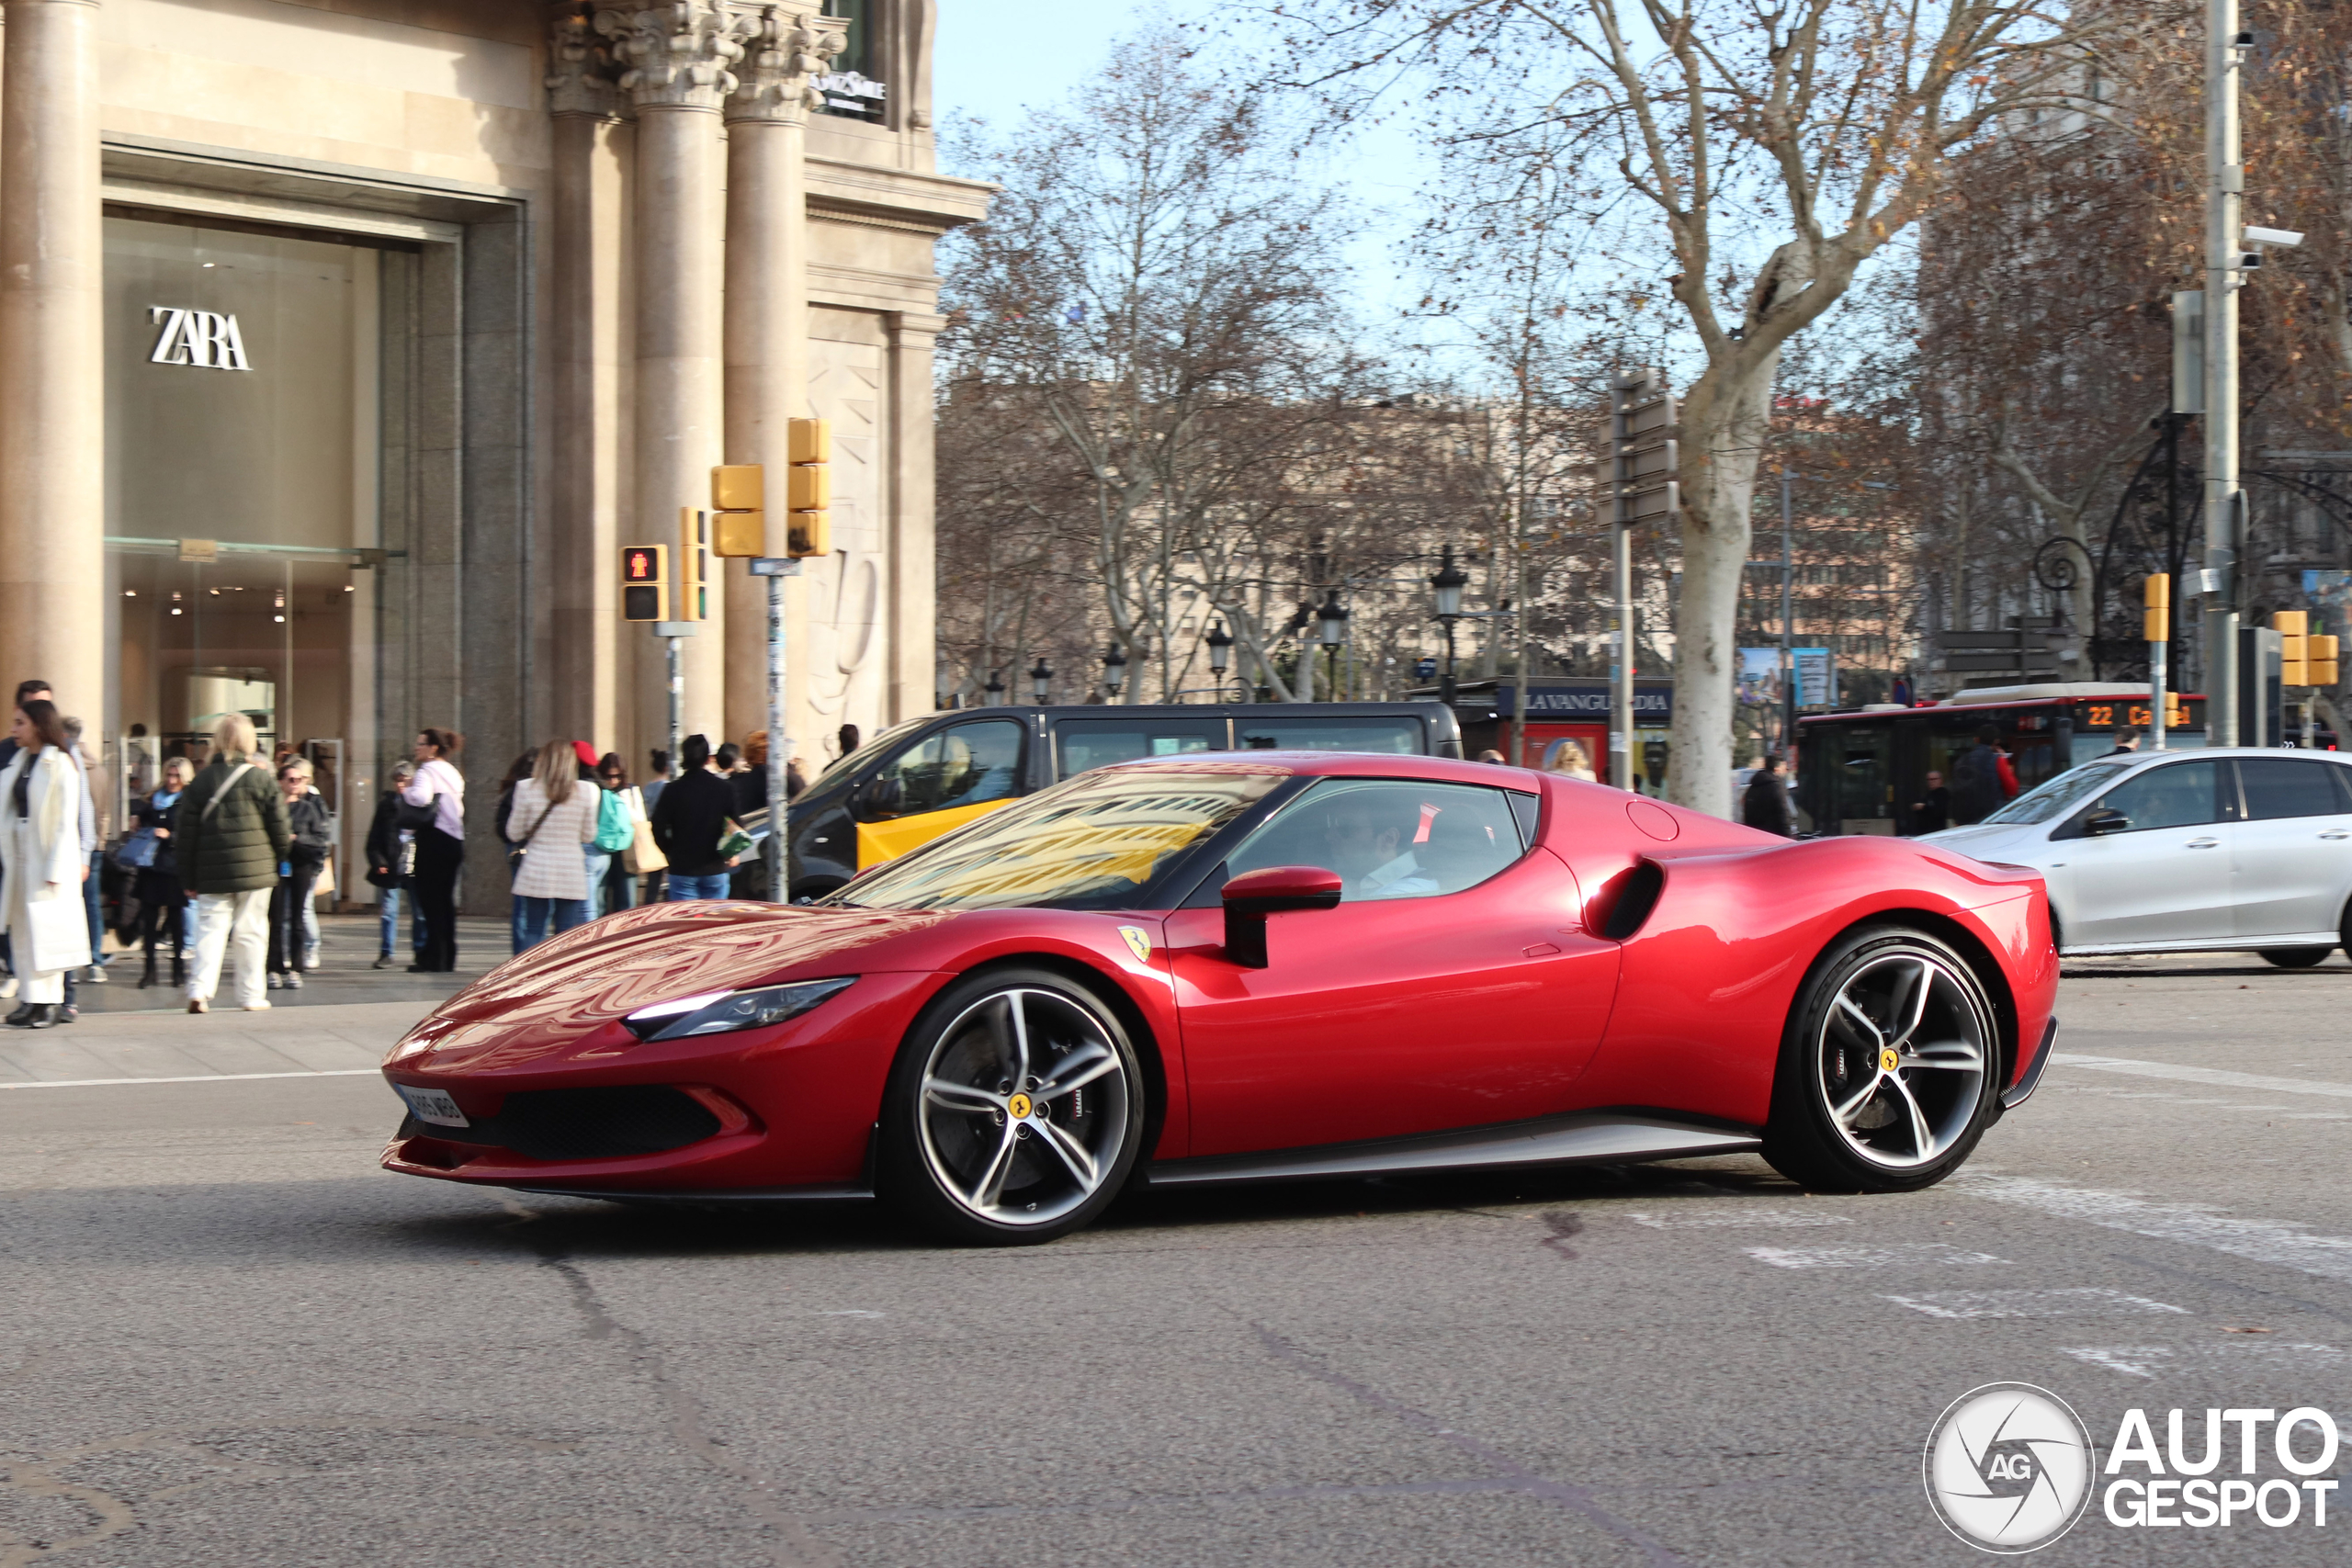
x: 1276, y: 889
x: 2104, y: 821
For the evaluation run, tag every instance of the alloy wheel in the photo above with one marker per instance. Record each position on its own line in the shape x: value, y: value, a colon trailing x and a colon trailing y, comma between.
x: 1022, y: 1107
x: 1901, y: 1057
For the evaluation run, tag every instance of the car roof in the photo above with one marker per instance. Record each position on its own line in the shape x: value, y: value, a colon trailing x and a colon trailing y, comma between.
x: 1342, y: 764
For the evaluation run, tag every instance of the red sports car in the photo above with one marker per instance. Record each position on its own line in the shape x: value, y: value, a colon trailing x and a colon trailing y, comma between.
x: 1254, y: 967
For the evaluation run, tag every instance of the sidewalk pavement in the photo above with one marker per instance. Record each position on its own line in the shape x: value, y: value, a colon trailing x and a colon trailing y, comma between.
x: 343, y: 1039
x: 346, y: 973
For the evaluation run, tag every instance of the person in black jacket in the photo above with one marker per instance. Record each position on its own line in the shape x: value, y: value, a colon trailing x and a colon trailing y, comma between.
x: 388, y: 854
x: 689, y: 820
x: 311, y: 822
x: 1766, y: 803
x: 161, y: 899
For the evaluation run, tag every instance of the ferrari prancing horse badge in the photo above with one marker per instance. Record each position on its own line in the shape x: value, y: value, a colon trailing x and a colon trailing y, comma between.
x: 1136, y: 939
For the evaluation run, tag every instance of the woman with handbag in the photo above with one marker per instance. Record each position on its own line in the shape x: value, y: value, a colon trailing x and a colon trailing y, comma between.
x: 433, y: 805
x: 312, y: 824
x: 148, y: 854
x: 40, y: 845
x: 623, y: 802
x: 554, y: 815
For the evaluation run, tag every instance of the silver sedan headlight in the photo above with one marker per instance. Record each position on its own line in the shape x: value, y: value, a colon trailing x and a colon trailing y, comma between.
x: 716, y: 1012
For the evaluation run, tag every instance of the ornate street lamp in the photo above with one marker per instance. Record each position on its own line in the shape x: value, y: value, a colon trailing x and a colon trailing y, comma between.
x: 1041, y: 682
x: 1332, y: 621
x: 993, y: 692
x: 1447, y: 582
x: 1114, y: 670
x: 1220, y: 643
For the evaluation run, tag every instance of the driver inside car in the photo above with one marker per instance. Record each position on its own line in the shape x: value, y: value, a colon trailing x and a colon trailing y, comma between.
x: 1370, y: 839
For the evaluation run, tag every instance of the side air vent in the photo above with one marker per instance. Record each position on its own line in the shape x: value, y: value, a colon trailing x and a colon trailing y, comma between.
x: 1634, y: 896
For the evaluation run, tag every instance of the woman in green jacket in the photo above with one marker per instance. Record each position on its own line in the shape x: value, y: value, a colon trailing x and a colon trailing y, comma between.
x: 230, y: 834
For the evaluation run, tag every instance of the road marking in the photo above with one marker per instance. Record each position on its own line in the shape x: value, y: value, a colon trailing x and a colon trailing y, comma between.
x: 2212, y: 1077
x: 1867, y: 1256
x: 201, y: 1077
x: 2147, y: 1361
x: 2029, y: 1304
x: 1735, y: 1215
x: 2283, y: 1243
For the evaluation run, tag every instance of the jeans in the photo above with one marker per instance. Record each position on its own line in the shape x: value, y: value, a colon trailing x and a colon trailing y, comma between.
x: 532, y: 917
x: 685, y: 888
x: 599, y: 862
x: 226, y: 923
x: 286, y: 906
x: 90, y: 904
x: 388, y: 922
x: 620, y: 889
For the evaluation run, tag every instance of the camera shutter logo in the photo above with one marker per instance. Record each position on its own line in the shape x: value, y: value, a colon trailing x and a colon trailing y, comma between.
x: 2008, y: 1467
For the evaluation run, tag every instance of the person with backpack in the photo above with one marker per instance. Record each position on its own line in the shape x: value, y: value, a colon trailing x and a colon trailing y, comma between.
x: 228, y: 834
x: 614, y: 830
x: 1982, y: 779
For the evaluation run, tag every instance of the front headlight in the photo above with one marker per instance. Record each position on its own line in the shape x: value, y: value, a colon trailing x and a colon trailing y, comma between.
x: 716, y: 1012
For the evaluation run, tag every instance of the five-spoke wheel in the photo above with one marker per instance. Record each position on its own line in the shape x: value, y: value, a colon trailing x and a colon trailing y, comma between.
x: 1889, y: 1066
x: 1016, y: 1109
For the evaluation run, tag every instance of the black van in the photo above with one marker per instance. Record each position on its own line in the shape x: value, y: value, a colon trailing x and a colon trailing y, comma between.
x: 914, y: 782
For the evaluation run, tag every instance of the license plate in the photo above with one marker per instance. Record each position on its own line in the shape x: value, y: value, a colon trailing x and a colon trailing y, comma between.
x: 433, y: 1105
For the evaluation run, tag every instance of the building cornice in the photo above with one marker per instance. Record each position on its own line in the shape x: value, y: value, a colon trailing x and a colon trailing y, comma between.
x: 846, y: 192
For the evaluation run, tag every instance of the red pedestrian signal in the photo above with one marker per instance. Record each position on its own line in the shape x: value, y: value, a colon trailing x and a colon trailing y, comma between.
x: 645, y: 582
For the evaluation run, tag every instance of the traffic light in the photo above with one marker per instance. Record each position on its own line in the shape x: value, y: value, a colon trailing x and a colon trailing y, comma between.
x: 2175, y: 718
x: 739, y: 510
x: 691, y: 600
x: 2319, y: 660
x: 2291, y: 625
x: 809, y: 491
x: 2156, y: 620
x: 645, y: 582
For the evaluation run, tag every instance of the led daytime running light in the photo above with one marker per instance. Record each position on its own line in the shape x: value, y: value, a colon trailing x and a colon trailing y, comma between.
x: 719, y: 1013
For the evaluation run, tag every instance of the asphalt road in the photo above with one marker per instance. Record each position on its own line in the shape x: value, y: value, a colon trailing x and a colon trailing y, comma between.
x: 226, y: 1339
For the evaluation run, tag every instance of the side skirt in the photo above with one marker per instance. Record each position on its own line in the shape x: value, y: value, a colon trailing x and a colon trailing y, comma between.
x: 1591, y: 1137
x: 744, y: 1196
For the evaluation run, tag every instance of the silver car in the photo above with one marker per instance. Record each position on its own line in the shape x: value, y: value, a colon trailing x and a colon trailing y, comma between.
x: 2228, y: 850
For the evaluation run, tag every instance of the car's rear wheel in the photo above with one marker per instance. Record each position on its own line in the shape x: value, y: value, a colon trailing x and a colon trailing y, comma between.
x: 1889, y: 1066
x: 2295, y: 957
x: 1015, y: 1111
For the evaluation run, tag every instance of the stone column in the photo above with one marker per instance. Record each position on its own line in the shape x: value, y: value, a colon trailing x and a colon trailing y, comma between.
x: 586, y: 237
x: 910, y: 676
x: 767, y: 297
x: 52, y: 356
x: 680, y: 60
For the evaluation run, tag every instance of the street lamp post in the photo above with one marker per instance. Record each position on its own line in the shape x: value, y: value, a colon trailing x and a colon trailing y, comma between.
x: 1114, y: 670
x: 1447, y: 582
x: 1332, y: 621
x: 1041, y: 682
x: 1220, y: 643
x: 992, y: 695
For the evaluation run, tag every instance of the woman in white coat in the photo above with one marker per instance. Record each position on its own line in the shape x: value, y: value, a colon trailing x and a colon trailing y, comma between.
x: 553, y: 814
x: 40, y: 848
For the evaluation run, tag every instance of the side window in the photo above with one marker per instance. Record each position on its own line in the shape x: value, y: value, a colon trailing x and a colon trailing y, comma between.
x: 2281, y: 786
x: 1400, y: 737
x: 1083, y: 743
x: 1390, y: 837
x: 2179, y: 795
x: 966, y: 764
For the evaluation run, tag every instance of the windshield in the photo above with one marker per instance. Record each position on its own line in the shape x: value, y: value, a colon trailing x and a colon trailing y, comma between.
x: 2060, y: 795
x: 868, y: 752
x: 1090, y: 844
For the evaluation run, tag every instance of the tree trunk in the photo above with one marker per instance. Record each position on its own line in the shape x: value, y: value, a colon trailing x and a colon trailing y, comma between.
x: 1724, y: 423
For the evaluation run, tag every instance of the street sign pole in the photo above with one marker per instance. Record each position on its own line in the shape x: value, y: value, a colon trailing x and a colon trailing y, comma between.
x: 671, y: 632
x: 775, y: 569
x: 1644, y: 459
x: 2224, y: 197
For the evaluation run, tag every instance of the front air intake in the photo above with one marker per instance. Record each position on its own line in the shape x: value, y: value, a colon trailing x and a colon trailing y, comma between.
x: 586, y: 1123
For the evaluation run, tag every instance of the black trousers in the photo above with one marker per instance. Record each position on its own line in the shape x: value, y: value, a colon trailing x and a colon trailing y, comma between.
x: 285, y: 901
x: 162, y: 905
x: 439, y: 858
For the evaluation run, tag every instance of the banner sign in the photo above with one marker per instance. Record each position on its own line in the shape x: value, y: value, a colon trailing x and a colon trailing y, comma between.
x: 1653, y: 703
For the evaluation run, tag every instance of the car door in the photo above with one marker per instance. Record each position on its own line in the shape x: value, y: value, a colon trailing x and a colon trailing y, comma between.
x: 2290, y: 859
x: 2165, y: 878
x: 1453, y: 986
x: 941, y: 781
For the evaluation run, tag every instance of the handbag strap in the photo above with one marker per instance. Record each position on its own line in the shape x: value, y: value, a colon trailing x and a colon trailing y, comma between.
x: 544, y: 813
x: 240, y: 770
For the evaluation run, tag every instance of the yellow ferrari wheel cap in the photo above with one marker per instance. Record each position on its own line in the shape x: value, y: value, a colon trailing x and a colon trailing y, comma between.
x: 1888, y: 1061
x: 1017, y: 1107
x: 1138, y: 940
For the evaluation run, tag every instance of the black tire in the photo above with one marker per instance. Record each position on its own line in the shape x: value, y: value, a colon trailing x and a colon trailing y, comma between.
x: 978, y: 1152
x: 1932, y: 1084
x: 2295, y: 957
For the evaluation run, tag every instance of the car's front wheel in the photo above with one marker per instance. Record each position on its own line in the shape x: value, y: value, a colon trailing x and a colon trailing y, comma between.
x: 1015, y: 1112
x: 2295, y: 957
x: 1888, y: 1069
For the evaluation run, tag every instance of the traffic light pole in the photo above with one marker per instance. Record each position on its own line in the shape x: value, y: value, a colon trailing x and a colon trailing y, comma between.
x: 1620, y: 673
x: 2225, y: 195
x: 775, y: 569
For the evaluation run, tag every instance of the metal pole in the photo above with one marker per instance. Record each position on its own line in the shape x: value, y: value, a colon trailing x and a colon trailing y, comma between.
x: 2225, y: 186
x: 2157, y: 673
x: 1620, y: 673
x: 779, y: 751
x: 677, y: 700
x: 1788, y: 631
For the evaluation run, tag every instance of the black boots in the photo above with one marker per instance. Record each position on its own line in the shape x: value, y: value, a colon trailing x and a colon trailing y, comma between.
x: 147, y: 976
x: 34, y: 1015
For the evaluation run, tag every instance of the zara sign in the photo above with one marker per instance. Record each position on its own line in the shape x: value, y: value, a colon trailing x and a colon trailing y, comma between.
x: 206, y: 338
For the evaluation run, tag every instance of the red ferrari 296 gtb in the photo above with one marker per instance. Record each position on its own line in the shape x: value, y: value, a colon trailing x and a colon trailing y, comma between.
x: 1257, y: 968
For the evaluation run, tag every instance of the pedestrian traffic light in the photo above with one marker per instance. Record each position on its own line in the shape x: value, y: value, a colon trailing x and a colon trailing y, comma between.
x: 645, y: 582
x: 2291, y: 625
x: 739, y: 510
x: 691, y: 600
x: 2158, y: 618
x: 809, y: 491
x: 2319, y: 660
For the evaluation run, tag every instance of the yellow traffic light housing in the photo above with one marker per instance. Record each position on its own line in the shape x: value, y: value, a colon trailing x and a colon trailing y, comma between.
x: 2157, y: 619
x: 2319, y: 660
x: 810, y: 490
x: 2292, y: 627
x: 645, y: 582
x: 691, y: 600
x: 739, y: 510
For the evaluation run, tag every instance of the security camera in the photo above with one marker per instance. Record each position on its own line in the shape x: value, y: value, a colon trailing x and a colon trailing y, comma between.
x: 2285, y: 238
x: 2250, y: 261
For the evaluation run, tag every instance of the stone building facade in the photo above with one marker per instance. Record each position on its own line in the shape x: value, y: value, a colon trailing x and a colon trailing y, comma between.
x: 344, y: 343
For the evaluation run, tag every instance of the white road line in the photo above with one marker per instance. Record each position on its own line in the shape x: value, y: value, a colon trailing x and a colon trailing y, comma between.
x: 2147, y: 1361
x: 201, y: 1077
x: 1716, y: 1215
x: 1896, y: 1256
x: 2213, y: 1077
x: 2283, y: 1243
x: 2086, y: 1300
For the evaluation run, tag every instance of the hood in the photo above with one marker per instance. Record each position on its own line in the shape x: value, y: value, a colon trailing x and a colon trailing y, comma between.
x: 1991, y: 840
x: 591, y: 976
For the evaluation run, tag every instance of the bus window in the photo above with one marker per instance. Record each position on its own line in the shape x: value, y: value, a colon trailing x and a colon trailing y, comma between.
x: 1864, y: 779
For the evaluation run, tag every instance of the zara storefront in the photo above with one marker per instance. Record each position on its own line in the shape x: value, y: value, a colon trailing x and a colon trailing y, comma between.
x: 343, y: 342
